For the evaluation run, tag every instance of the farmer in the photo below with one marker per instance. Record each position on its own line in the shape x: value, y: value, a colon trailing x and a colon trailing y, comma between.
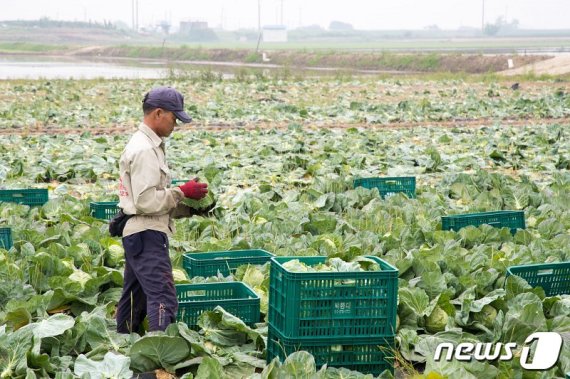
x: 144, y: 192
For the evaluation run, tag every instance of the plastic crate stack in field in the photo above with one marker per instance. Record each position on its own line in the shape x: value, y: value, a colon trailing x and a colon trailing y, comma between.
x: 224, y: 262
x: 367, y: 355
x: 389, y: 185
x: 500, y: 219
x: 104, y: 210
x: 554, y: 278
x: 31, y: 196
x: 5, y: 238
x: 345, y: 319
x: 236, y: 298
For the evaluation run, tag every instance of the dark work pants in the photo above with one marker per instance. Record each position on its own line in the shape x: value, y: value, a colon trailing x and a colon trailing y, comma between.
x: 148, y: 288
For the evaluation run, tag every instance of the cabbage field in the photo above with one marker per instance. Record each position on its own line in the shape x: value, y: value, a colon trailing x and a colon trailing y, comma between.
x: 281, y: 155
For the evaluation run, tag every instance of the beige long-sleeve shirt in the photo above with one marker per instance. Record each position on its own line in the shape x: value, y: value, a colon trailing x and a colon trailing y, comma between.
x: 143, y: 186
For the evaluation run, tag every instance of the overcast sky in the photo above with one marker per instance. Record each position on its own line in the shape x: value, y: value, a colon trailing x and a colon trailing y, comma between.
x: 362, y: 14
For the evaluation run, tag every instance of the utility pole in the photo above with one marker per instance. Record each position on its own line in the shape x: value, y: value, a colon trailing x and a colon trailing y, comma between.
x: 483, y: 17
x: 258, y: 25
x: 259, y: 16
x: 137, y: 14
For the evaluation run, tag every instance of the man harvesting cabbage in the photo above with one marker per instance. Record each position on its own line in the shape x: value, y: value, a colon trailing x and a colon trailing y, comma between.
x: 150, y: 205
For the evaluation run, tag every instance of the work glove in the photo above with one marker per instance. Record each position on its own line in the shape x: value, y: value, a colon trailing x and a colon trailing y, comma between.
x: 193, y: 189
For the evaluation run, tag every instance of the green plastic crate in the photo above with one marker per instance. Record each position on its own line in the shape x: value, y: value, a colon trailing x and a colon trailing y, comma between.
x: 31, y: 196
x: 104, y: 210
x: 332, y: 304
x: 6, y: 238
x: 226, y: 262
x: 177, y: 182
x: 367, y: 355
x: 568, y: 375
x: 389, y: 185
x: 500, y: 219
x: 554, y: 278
x: 236, y: 298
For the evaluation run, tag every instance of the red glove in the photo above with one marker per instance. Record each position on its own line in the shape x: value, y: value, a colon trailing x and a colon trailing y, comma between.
x: 194, y: 189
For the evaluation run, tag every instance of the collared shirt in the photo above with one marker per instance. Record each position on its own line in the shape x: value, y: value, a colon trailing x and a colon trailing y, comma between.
x: 143, y: 184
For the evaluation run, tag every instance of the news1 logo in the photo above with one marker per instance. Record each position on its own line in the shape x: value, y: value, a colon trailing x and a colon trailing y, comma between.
x: 544, y: 355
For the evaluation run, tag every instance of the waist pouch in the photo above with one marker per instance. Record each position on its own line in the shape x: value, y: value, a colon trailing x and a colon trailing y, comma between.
x: 117, y: 223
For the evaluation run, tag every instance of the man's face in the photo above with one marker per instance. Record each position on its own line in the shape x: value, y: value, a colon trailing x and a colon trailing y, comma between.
x: 166, y: 122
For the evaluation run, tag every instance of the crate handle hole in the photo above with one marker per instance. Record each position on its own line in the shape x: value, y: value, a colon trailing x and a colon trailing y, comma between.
x: 345, y: 283
x: 196, y: 293
x: 545, y: 272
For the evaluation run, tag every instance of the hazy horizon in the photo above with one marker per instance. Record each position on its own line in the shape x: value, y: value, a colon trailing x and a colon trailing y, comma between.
x: 362, y: 14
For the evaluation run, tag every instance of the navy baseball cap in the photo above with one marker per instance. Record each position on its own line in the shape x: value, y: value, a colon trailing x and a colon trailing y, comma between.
x: 169, y: 99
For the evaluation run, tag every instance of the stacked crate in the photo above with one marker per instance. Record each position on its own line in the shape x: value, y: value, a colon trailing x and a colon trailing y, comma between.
x: 225, y: 263
x: 345, y: 319
x: 236, y: 298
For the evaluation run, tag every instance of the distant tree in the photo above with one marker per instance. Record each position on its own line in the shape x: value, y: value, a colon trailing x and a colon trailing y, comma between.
x: 510, y: 26
x: 493, y: 29
x: 339, y: 25
x: 501, y: 26
x: 108, y: 25
x: 46, y: 22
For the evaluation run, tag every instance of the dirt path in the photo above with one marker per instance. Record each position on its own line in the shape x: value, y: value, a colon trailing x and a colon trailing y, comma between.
x: 283, y: 125
x: 559, y: 65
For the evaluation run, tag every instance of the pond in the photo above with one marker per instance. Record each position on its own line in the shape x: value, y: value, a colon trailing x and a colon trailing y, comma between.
x: 44, y: 67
